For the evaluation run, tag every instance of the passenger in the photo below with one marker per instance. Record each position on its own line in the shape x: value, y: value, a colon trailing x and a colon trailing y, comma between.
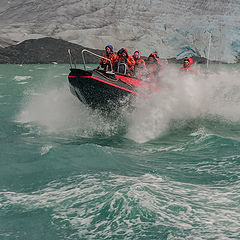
x: 160, y: 62
x: 187, y: 65
x: 109, y: 55
x: 140, y: 65
x: 125, y: 63
x: 156, y: 54
x: 153, y: 67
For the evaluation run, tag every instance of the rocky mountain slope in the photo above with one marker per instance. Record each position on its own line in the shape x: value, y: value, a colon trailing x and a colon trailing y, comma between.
x: 45, y: 50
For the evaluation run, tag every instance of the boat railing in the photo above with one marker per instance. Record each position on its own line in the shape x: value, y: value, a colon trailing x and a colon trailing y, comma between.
x: 71, y: 59
x: 84, y: 62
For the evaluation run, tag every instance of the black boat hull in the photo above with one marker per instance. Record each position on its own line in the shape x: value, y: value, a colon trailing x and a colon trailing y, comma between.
x: 102, y: 90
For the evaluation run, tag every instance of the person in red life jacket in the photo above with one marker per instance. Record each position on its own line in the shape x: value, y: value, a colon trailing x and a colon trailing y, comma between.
x: 187, y: 65
x: 160, y: 62
x: 125, y: 63
x: 109, y: 55
x: 138, y: 60
x: 153, y: 67
x: 140, y: 65
x: 156, y: 54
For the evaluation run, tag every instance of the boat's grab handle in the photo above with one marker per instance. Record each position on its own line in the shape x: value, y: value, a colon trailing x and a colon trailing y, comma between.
x: 84, y: 63
x: 70, y: 58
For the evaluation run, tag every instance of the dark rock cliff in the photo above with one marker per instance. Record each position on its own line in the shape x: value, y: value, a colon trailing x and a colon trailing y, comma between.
x: 45, y: 50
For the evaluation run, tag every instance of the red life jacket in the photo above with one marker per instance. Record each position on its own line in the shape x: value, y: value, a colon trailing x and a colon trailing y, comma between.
x: 105, y: 64
x: 129, y: 60
x: 189, y: 67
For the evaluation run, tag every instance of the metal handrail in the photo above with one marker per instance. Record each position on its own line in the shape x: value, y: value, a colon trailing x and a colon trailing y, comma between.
x: 70, y: 58
x: 84, y: 63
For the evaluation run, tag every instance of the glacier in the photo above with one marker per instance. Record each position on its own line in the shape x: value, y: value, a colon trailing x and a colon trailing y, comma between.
x: 174, y: 28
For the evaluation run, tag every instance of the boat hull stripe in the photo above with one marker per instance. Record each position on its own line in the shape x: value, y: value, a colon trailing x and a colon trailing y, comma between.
x: 100, y: 80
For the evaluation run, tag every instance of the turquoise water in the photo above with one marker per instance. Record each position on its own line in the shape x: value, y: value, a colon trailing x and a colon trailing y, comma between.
x: 168, y: 170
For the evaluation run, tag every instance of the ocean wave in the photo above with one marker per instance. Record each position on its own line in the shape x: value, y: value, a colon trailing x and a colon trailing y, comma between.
x: 169, y: 169
x: 149, y: 205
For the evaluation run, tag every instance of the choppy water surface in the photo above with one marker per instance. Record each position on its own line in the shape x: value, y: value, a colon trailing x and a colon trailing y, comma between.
x: 167, y: 170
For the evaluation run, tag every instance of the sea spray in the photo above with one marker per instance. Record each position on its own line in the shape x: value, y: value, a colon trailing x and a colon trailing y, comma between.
x: 181, y: 97
x: 56, y: 110
x: 185, y: 96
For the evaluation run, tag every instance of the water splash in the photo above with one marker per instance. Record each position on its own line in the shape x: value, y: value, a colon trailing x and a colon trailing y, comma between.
x: 184, y: 97
x: 55, y: 110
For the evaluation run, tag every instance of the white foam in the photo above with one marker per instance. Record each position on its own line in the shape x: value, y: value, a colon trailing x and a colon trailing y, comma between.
x: 45, y: 149
x: 22, y: 83
x: 130, y: 201
x: 41, y: 68
x: 22, y: 78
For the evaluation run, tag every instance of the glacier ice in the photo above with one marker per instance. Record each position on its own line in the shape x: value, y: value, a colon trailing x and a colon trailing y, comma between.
x: 174, y: 28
